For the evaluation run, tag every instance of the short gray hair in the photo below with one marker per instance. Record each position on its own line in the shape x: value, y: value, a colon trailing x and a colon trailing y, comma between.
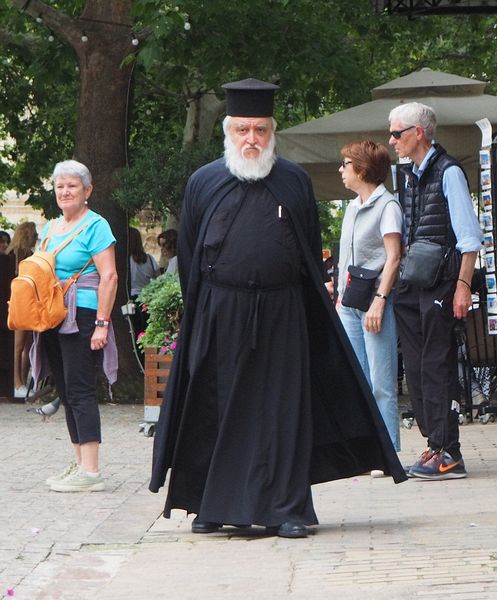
x: 227, y: 121
x: 73, y: 168
x: 416, y: 113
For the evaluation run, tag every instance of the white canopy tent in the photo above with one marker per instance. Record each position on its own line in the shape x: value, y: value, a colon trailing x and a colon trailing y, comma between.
x: 458, y: 102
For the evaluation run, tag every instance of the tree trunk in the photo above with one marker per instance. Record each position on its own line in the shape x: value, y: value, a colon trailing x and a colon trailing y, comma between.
x: 101, y: 144
x: 203, y: 111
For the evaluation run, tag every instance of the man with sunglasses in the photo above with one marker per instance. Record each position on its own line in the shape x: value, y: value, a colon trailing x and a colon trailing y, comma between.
x: 438, y: 209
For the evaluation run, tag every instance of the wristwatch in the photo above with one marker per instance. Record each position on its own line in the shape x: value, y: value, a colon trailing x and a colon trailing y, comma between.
x: 101, y: 323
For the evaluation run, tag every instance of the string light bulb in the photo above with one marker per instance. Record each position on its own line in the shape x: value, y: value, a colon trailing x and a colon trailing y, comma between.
x: 135, y: 41
x: 84, y: 38
x: 51, y: 38
x: 39, y: 19
x: 187, y: 26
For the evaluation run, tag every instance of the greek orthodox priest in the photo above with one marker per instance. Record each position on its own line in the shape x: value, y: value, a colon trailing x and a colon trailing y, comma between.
x: 265, y: 396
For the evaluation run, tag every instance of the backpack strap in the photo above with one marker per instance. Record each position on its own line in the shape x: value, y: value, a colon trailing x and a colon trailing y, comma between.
x: 75, y: 277
x: 44, y: 244
x: 70, y: 239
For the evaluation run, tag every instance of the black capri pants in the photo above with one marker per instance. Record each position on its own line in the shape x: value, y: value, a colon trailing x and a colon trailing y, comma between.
x: 74, y: 369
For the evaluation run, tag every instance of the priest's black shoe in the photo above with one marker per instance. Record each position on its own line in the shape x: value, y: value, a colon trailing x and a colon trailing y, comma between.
x: 289, y: 530
x: 205, y: 526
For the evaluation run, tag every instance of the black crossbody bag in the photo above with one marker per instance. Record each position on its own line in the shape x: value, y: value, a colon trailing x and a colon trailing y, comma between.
x: 425, y: 261
x: 361, y: 284
x: 424, y: 264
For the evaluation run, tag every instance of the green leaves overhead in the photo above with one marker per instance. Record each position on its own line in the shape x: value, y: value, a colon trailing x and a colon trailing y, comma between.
x: 325, y: 54
x: 300, y: 44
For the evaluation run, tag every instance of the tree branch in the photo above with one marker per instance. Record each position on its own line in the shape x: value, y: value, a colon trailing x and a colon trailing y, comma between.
x: 56, y: 20
x: 7, y: 38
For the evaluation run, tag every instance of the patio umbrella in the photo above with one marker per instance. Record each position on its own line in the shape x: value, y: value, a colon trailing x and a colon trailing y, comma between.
x: 458, y: 102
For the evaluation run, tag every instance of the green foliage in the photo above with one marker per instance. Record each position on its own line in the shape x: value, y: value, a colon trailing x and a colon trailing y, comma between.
x: 164, y: 303
x: 4, y: 223
x: 158, y: 174
x: 38, y: 100
x: 330, y: 222
x: 326, y: 55
x: 303, y: 44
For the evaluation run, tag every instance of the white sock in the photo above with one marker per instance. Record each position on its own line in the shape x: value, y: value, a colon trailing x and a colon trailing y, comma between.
x: 92, y: 474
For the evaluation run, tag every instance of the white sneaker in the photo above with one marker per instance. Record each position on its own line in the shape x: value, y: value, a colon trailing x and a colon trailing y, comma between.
x: 79, y: 481
x: 63, y: 474
x: 21, y: 392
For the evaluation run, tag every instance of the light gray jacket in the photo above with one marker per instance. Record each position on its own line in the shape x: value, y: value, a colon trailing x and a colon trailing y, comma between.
x: 361, y: 241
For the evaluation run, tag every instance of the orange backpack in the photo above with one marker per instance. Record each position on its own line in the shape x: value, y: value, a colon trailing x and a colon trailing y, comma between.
x: 36, y: 295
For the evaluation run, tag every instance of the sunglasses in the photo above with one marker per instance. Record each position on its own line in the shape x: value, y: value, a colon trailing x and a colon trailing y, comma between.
x: 397, y: 134
x: 344, y: 163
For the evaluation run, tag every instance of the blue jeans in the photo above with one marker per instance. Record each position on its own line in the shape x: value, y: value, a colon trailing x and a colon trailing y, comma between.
x: 377, y: 353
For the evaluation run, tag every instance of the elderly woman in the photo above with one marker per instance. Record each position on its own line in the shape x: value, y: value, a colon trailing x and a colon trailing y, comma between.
x: 21, y: 246
x: 76, y: 347
x: 371, y: 238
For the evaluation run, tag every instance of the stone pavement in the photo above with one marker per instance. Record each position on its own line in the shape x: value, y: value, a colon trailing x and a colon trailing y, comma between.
x: 418, y: 540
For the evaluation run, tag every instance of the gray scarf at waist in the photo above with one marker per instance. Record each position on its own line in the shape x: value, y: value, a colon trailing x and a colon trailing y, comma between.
x: 39, y: 365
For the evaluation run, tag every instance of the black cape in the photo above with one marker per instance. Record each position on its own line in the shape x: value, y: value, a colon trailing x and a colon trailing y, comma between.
x: 348, y: 436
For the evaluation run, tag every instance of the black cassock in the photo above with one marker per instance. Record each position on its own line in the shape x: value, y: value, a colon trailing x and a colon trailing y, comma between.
x: 247, y: 424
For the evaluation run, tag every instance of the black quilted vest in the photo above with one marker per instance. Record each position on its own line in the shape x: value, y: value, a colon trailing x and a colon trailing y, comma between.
x: 427, y: 210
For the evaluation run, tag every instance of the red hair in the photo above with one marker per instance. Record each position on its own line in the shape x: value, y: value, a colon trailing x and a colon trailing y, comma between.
x: 370, y: 161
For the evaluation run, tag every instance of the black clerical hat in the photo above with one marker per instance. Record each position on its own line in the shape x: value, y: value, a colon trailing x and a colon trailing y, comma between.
x: 250, y: 98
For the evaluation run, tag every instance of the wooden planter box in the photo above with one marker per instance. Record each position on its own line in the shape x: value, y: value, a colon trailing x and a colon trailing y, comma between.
x: 157, y: 367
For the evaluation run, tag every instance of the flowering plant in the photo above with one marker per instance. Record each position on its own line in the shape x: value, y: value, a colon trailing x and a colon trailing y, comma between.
x: 162, y: 300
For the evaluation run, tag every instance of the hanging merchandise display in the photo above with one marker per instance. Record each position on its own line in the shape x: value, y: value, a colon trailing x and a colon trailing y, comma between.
x: 488, y: 186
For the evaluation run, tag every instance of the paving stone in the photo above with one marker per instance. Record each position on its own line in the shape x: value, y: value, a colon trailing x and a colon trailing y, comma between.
x: 376, y: 540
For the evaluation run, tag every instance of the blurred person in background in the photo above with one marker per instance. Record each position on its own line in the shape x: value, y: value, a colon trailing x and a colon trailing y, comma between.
x: 22, y: 246
x: 4, y: 242
x: 167, y: 241
x: 142, y: 269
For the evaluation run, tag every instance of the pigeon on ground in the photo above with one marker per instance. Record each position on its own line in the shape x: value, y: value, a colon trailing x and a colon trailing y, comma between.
x: 47, y: 410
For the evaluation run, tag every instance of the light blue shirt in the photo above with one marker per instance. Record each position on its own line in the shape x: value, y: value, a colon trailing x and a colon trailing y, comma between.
x: 94, y: 239
x: 463, y: 219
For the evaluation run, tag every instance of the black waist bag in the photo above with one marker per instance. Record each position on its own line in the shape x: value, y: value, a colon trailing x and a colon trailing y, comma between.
x: 424, y: 264
x: 361, y: 284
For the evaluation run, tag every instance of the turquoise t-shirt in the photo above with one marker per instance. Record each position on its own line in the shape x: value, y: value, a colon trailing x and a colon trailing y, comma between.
x: 95, y: 238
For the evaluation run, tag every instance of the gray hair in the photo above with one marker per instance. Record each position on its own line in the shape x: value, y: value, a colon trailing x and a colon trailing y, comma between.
x: 73, y: 168
x: 415, y: 113
x: 227, y: 121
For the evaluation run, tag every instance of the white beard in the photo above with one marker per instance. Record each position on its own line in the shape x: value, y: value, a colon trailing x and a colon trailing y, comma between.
x: 249, y: 169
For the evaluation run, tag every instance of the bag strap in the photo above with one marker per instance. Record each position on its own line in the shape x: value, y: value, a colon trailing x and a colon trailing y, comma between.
x: 44, y: 244
x: 53, y: 223
x: 352, y: 241
x: 75, y: 277
x: 69, y: 239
